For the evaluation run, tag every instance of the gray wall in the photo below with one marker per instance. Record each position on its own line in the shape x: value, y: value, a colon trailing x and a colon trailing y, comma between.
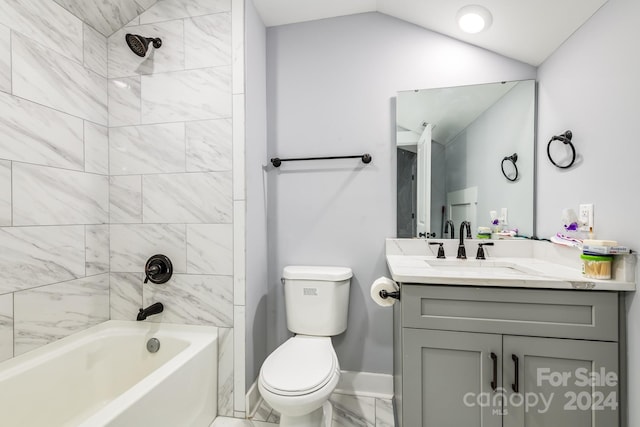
x: 256, y: 182
x: 590, y: 85
x: 331, y: 87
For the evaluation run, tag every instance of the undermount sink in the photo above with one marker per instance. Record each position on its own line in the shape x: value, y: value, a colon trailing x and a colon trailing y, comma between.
x: 473, y: 266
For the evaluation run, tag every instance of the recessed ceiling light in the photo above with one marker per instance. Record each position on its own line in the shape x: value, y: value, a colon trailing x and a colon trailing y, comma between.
x: 473, y: 19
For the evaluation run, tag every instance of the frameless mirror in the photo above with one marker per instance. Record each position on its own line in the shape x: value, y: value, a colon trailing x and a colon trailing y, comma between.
x: 459, y: 149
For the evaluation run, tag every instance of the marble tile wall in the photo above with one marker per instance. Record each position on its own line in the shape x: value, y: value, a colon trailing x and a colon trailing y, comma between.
x: 171, y: 167
x: 54, y: 183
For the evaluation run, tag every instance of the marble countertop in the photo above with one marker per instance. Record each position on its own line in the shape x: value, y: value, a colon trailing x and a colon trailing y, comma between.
x: 519, y: 271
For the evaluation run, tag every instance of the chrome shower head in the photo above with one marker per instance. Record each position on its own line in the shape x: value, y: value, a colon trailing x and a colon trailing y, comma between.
x: 140, y: 45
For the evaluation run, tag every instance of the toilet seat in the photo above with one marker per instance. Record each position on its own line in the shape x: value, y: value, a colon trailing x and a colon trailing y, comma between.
x: 302, y: 365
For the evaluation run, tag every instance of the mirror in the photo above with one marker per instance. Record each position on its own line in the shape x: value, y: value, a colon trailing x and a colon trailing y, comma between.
x: 456, y: 160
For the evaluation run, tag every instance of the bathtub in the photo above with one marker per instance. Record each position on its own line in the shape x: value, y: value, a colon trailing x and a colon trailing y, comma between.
x: 104, y: 376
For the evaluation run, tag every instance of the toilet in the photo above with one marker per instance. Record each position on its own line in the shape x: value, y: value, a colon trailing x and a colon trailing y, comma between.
x: 300, y: 375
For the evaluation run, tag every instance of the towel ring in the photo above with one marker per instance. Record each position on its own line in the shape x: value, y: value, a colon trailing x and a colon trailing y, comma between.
x: 513, y: 159
x: 565, y: 138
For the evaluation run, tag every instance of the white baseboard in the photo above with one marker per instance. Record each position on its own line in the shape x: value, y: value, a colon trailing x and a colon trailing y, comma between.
x: 366, y: 384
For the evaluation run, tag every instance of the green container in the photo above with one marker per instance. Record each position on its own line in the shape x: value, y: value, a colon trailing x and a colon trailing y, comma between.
x: 596, y: 266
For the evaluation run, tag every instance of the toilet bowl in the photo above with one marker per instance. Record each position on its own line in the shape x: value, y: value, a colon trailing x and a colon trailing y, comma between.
x: 298, y: 378
x: 300, y: 375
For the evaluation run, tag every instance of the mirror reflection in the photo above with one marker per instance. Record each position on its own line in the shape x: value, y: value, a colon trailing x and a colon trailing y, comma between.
x: 458, y: 152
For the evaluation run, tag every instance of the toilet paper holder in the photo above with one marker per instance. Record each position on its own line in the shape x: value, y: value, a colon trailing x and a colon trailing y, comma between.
x: 384, y: 294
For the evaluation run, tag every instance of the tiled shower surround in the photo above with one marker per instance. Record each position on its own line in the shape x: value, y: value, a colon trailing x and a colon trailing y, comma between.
x: 107, y: 158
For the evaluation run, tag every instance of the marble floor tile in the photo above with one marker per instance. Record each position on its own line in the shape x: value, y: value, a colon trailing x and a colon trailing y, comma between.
x: 48, y: 313
x: 352, y: 411
x: 32, y: 133
x: 236, y: 422
x: 177, y: 9
x: 384, y: 413
x: 6, y: 326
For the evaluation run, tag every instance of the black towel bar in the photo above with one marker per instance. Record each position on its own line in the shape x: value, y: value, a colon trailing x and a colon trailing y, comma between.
x: 366, y: 158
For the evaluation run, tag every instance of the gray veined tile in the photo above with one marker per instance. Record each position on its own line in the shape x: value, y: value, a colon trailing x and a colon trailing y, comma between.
x: 209, y: 145
x: 5, y: 193
x: 353, y: 411
x: 193, y: 300
x: 187, y: 95
x: 169, y: 57
x: 124, y: 101
x: 225, y: 371
x: 95, y: 51
x: 165, y: 10
x: 34, y: 256
x: 46, y: 22
x: 50, y: 196
x: 384, y: 413
x: 6, y: 327
x: 125, y: 199
x: 210, y: 249
x: 48, y: 78
x: 133, y: 244
x: 5, y: 59
x: 106, y: 16
x: 125, y: 295
x: 208, y: 41
x: 96, y: 148
x: 97, y: 249
x: 195, y: 198
x: 48, y: 313
x: 35, y: 134
x: 147, y: 149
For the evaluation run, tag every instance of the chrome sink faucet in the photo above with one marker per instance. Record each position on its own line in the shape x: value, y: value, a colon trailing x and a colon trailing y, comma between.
x: 462, y: 252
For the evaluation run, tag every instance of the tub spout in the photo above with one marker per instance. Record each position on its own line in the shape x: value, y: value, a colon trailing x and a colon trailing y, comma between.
x: 151, y: 310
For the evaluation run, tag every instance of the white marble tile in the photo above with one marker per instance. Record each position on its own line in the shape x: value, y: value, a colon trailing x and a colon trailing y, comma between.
x: 350, y: 411
x: 34, y: 256
x: 46, y: 22
x: 5, y: 193
x: 193, y: 300
x: 133, y: 244
x: 225, y: 371
x: 384, y: 413
x: 97, y: 249
x: 125, y: 295
x: 209, y: 145
x: 35, y: 134
x: 263, y: 412
x: 274, y: 417
x: 239, y: 252
x: 125, y: 199
x: 5, y: 59
x: 239, y: 345
x: 96, y: 148
x: 48, y: 78
x: 169, y: 57
x: 147, y: 149
x: 195, y: 198
x: 124, y: 101
x: 210, y: 249
x: 48, y: 313
x: 50, y: 196
x: 6, y: 327
x: 95, y: 51
x: 239, y: 187
x: 239, y: 422
x: 237, y: 45
x: 134, y: 22
x: 106, y: 16
x: 165, y: 10
x: 208, y: 41
x: 187, y: 95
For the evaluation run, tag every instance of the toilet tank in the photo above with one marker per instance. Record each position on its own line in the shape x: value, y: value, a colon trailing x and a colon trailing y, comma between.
x: 316, y: 299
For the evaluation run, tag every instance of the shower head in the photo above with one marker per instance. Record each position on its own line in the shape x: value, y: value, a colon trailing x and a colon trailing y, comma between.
x: 140, y: 45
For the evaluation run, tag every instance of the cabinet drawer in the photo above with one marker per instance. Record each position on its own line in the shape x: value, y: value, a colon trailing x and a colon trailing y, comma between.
x: 532, y: 312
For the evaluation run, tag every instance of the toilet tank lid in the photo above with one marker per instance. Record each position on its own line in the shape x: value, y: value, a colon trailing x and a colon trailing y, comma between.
x: 307, y: 272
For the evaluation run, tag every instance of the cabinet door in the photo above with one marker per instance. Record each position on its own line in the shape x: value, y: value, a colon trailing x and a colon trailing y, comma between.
x: 568, y: 383
x: 447, y: 378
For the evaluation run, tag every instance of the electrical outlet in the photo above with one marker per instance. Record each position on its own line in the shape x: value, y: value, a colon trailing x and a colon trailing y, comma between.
x: 585, y: 217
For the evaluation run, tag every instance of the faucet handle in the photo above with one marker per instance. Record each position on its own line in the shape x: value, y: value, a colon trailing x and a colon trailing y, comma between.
x: 480, y: 253
x: 440, y: 249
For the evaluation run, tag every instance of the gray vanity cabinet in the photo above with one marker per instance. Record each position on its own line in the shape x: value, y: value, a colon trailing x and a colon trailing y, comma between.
x: 460, y: 349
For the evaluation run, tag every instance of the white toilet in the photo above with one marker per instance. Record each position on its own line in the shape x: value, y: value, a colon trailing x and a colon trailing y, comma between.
x: 300, y: 375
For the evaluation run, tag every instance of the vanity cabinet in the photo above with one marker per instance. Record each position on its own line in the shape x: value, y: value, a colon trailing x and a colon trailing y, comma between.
x: 491, y: 357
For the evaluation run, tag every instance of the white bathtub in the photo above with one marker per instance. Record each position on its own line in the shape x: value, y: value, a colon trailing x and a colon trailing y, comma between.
x: 104, y: 376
